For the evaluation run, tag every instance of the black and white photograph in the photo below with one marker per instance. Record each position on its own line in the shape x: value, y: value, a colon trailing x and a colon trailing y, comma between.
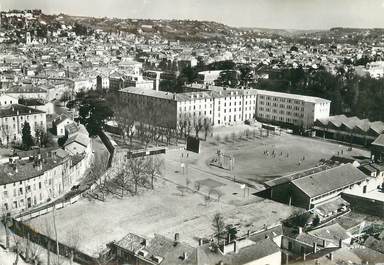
x: 191, y: 132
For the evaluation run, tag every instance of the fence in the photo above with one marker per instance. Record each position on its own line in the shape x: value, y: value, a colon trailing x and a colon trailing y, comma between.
x: 23, y: 230
x: 46, y: 209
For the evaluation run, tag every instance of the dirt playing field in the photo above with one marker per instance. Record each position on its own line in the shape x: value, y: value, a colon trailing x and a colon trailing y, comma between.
x: 261, y: 159
x: 167, y: 210
x: 163, y: 211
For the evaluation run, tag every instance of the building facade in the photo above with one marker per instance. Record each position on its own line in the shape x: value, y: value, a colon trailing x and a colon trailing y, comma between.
x: 32, y: 181
x: 13, y: 118
x: 230, y: 106
x: 296, y: 110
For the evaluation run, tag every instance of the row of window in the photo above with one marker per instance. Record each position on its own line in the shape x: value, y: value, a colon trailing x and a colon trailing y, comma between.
x: 279, y: 118
x: 282, y: 99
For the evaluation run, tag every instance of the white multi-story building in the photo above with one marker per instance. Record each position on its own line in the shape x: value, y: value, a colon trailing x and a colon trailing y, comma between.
x: 231, y: 106
x: 222, y: 107
x: 297, y: 110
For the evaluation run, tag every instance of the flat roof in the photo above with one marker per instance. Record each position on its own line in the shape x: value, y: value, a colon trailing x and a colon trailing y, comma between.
x: 293, y: 96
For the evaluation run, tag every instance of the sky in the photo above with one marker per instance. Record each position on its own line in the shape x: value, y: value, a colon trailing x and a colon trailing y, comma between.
x: 280, y: 14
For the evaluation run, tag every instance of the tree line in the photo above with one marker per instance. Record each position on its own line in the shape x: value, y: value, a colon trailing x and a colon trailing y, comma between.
x: 151, y: 123
x: 350, y: 94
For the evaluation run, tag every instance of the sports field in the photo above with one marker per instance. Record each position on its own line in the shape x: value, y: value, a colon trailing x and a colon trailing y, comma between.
x: 163, y: 211
x: 167, y: 210
x: 259, y: 159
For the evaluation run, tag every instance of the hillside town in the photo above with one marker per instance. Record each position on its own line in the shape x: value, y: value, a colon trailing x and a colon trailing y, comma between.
x: 156, y: 141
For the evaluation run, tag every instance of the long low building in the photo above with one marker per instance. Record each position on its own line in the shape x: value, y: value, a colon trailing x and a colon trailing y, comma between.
x: 229, y: 106
x: 348, y: 129
x: 312, y: 188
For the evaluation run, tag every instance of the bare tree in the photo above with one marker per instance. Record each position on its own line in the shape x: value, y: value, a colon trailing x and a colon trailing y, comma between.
x: 125, y: 116
x: 97, y: 170
x: 198, y: 123
x: 122, y: 180
x: 207, y: 126
x: 5, y: 134
x: 218, y: 226
x: 136, y: 168
x: 181, y: 126
x: 188, y: 124
x: 154, y: 167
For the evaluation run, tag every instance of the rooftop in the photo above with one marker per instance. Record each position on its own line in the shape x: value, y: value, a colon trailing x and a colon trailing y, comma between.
x: 293, y: 96
x: 17, y: 109
x: 27, y: 169
x: 329, y: 180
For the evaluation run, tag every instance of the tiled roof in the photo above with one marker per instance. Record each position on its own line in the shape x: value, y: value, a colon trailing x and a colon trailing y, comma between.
x: 131, y: 242
x: 78, y: 138
x: 333, y: 233
x: 329, y: 180
x: 17, y: 109
x: 26, y: 169
x: 60, y: 119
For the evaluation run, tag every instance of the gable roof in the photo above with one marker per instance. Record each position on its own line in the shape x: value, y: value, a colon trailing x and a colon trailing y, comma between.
x: 78, y: 138
x: 60, y: 119
x: 329, y: 180
x: 379, y: 140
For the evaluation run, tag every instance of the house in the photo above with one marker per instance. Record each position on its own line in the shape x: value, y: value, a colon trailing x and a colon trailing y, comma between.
x: 79, y: 143
x: 134, y: 249
x: 257, y: 249
x: 58, y: 124
x: 13, y: 118
x: 6, y: 100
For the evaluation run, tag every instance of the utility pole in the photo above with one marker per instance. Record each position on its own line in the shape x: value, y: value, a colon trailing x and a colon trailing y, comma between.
x: 54, y: 226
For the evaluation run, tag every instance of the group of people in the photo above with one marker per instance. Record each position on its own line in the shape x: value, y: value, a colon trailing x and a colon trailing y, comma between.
x: 281, y: 154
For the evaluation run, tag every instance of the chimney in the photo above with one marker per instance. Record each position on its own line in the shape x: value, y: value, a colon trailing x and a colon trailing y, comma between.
x: 300, y: 230
x: 340, y: 243
x: 324, y: 243
x: 235, y: 249
x: 185, y: 255
x: 177, y: 239
x: 314, y: 248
